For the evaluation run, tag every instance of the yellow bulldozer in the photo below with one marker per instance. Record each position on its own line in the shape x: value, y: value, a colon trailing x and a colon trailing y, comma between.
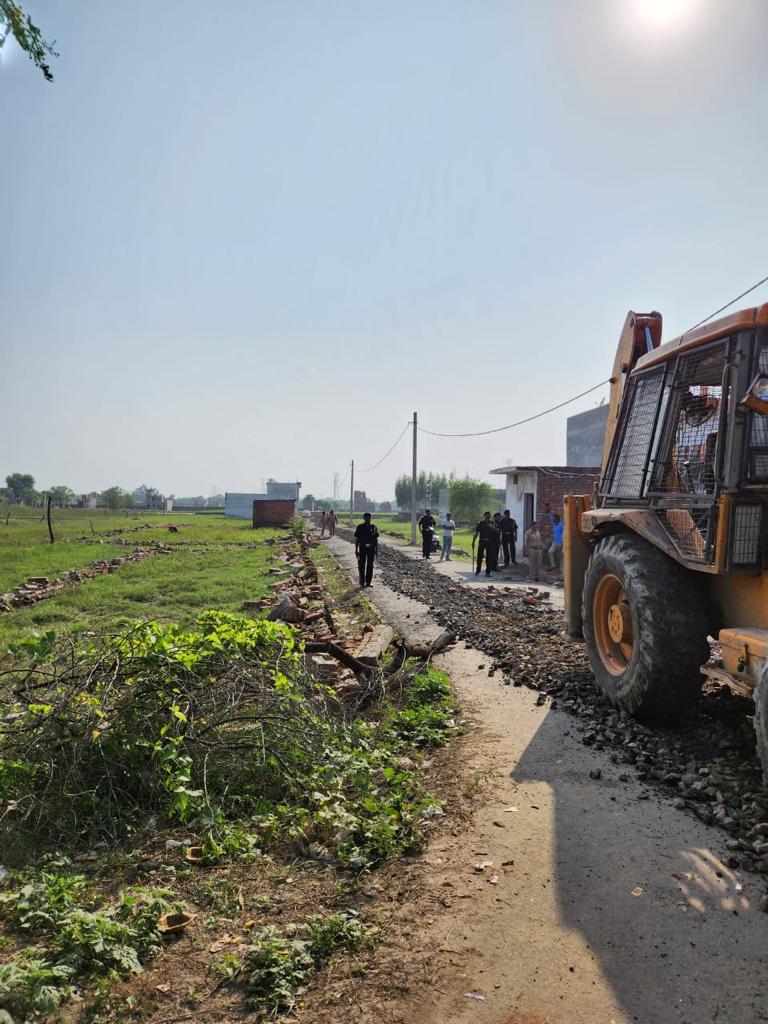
x: 671, y: 549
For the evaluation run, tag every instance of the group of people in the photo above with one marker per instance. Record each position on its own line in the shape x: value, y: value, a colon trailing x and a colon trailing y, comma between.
x: 495, y: 535
x: 428, y: 528
x: 543, y: 544
x: 328, y: 522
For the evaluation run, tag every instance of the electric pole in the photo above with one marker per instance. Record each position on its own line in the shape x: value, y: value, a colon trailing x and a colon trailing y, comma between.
x: 413, y: 485
x: 352, y: 492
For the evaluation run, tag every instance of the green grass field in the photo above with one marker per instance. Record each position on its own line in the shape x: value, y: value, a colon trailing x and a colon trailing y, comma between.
x: 215, y: 563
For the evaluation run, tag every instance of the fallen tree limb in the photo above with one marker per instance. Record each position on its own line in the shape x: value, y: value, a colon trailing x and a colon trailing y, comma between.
x: 427, y: 652
x: 346, y: 659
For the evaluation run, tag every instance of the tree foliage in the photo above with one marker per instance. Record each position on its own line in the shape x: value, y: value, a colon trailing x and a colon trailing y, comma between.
x: 470, y: 498
x: 61, y: 495
x: 19, y: 485
x: 116, y: 497
x: 428, y: 487
x: 15, y: 22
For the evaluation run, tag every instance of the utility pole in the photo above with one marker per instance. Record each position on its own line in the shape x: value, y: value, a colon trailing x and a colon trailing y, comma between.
x: 413, y: 484
x: 352, y: 492
x: 336, y: 487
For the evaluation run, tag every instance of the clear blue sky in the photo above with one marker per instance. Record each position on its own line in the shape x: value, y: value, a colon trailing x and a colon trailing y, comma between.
x: 248, y: 239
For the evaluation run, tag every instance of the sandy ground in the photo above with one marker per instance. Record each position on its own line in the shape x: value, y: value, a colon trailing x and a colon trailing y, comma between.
x: 573, y: 899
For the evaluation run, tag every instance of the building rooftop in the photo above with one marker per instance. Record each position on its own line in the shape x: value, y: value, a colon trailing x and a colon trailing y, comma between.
x: 555, y: 470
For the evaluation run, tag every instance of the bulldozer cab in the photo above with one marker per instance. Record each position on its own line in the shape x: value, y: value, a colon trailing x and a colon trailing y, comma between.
x: 673, y: 547
x: 685, y: 439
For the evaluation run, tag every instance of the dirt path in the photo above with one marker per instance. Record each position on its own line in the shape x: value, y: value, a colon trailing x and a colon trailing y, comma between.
x: 601, y: 904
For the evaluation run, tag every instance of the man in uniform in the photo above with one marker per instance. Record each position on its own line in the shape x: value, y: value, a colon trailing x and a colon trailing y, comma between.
x: 366, y: 549
x: 427, y: 529
x: 487, y: 532
x: 508, y: 537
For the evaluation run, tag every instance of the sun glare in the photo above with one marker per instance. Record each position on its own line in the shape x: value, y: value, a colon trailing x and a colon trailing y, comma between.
x: 663, y: 20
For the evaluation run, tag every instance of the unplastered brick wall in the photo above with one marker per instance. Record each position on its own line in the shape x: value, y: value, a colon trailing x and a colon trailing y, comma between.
x: 554, y: 483
x: 272, y: 513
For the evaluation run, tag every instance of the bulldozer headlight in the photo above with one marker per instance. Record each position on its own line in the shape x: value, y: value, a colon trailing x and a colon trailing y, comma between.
x: 756, y: 398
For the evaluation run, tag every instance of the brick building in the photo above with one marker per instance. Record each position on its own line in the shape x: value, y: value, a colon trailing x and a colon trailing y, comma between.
x: 272, y: 511
x: 531, y: 488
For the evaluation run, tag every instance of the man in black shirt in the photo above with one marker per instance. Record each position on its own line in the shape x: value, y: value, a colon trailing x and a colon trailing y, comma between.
x: 366, y: 549
x: 508, y: 537
x: 488, y: 534
x: 427, y: 528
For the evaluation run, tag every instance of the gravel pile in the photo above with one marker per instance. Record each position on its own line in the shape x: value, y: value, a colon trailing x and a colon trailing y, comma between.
x: 706, y: 765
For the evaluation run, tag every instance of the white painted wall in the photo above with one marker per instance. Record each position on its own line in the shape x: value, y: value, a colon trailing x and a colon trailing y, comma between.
x: 239, y: 506
x: 526, y: 484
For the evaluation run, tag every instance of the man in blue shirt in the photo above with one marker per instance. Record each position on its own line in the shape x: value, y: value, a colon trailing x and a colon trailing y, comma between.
x: 556, y: 550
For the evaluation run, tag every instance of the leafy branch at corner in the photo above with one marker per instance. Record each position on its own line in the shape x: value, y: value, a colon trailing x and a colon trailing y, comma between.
x: 13, y: 21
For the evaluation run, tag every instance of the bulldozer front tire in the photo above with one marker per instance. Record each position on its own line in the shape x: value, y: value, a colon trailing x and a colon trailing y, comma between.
x: 645, y: 626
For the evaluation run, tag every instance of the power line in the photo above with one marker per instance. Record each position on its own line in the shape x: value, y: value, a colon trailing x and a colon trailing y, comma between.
x: 726, y: 306
x: 388, y: 452
x: 519, y: 423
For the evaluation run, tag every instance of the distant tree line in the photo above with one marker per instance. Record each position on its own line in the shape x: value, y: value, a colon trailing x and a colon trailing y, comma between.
x: 428, y: 487
x: 20, y: 490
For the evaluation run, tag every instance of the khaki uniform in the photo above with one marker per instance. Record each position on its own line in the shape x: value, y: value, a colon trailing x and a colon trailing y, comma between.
x: 532, y: 547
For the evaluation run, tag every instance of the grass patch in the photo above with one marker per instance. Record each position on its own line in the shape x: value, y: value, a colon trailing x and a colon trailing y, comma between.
x: 166, y: 586
x: 277, y: 965
x: 67, y: 943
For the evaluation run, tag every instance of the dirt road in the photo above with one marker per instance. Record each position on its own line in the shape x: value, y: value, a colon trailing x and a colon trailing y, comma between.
x: 574, y: 897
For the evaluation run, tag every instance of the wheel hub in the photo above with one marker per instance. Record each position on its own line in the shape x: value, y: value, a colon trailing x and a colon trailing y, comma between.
x: 612, y: 617
x: 619, y: 622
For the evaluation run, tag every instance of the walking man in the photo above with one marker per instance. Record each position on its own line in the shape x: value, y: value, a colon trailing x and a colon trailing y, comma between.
x: 366, y: 549
x: 532, y: 545
x: 447, y: 526
x: 556, y: 551
x: 486, y: 532
x: 331, y: 521
x: 323, y: 523
x: 508, y: 537
x: 427, y: 529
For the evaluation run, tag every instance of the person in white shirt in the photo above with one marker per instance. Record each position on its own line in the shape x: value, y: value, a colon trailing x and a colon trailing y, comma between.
x: 447, y: 525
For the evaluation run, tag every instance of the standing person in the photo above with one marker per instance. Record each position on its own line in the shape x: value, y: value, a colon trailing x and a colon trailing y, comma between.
x: 331, y: 522
x: 427, y: 529
x: 556, y: 550
x: 532, y: 545
x: 448, y: 526
x: 547, y: 524
x: 508, y: 538
x: 486, y: 531
x: 323, y: 523
x: 366, y: 549
x: 496, y: 541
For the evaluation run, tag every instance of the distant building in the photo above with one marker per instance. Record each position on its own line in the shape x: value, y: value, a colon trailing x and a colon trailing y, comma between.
x: 531, y: 488
x: 241, y: 505
x: 148, y: 497
x: 362, y: 503
x: 585, y: 434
